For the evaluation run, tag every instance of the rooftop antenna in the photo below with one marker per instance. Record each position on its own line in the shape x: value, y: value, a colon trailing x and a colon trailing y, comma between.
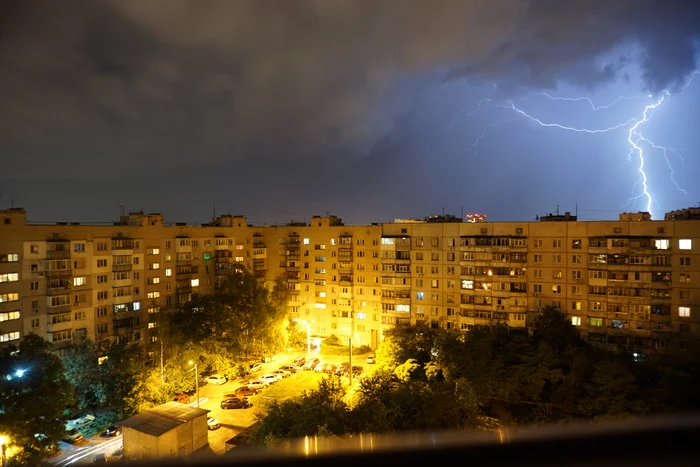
x: 461, y: 212
x: 328, y: 213
x: 121, y: 209
x: 576, y: 209
x: 12, y: 202
x: 214, y: 209
x: 557, y: 209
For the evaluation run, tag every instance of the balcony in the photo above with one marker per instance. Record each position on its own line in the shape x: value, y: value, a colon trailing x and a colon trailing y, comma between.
x: 58, y: 254
x: 53, y: 310
x: 62, y: 289
x: 59, y: 272
x: 121, y: 267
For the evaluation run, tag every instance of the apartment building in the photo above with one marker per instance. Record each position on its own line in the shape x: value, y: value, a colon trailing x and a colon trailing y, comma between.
x: 625, y: 283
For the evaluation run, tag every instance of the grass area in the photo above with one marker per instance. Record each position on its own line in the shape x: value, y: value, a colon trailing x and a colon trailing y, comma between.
x: 288, y: 388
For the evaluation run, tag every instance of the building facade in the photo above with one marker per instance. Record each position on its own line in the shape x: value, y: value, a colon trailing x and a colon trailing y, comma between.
x: 631, y: 283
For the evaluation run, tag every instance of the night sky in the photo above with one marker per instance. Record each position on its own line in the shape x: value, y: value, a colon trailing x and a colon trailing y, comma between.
x: 376, y: 109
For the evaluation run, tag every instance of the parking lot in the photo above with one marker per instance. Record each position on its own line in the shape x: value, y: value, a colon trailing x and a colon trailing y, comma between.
x: 232, y: 421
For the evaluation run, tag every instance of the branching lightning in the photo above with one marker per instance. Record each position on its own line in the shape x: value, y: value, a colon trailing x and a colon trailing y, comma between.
x: 586, y: 99
x: 635, y: 138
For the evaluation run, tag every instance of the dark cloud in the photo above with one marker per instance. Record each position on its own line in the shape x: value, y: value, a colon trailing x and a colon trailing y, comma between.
x: 103, y: 87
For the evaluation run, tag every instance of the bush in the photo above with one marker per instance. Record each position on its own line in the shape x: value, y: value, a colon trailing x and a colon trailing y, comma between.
x: 344, y: 349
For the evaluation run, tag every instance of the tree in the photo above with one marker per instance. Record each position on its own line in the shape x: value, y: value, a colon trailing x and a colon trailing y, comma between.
x: 35, y: 394
x: 130, y: 384
x: 82, y: 369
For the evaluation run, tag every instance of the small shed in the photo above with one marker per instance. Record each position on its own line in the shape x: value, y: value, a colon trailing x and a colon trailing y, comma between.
x: 169, y: 430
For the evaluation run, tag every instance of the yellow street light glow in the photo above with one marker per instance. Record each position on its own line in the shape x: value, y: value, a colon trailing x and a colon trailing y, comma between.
x: 4, y: 439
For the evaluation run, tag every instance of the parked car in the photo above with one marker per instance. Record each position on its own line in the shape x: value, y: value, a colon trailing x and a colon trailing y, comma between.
x: 320, y: 367
x: 299, y: 362
x: 356, y: 370
x: 182, y: 398
x: 311, y: 364
x: 342, y: 368
x: 257, y: 385
x: 289, y: 368
x: 370, y: 360
x: 270, y: 378
x: 235, y: 404
x: 282, y: 373
x: 330, y: 368
x: 217, y: 379
x: 241, y: 393
x: 254, y: 367
x: 213, y: 423
x: 112, y: 431
x: 116, y: 456
x: 73, y: 436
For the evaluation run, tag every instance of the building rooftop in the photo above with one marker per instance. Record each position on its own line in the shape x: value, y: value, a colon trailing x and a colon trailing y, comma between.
x: 163, y: 418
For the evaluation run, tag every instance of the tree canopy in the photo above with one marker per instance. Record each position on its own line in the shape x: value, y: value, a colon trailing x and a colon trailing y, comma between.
x: 35, y: 395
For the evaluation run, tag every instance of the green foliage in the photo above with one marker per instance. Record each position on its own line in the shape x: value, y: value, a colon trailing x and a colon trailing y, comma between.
x: 296, y: 337
x: 243, y: 318
x: 34, y: 403
x: 430, y: 379
x: 411, y: 370
x: 82, y: 369
x: 318, y: 411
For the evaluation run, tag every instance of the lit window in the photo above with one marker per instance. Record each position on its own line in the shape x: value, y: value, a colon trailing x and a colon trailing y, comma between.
x: 576, y: 320
x: 152, y: 325
x: 137, y: 306
x: 155, y: 251
x: 9, y: 277
x: 684, y: 311
x: 207, y: 256
x: 306, y: 241
x: 11, y: 336
x: 662, y: 244
x: 155, y: 266
x: 168, y: 272
x: 320, y: 305
x: 8, y: 316
x: 387, y: 241
x: 403, y: 307
x: 78, y: 281
x: 322, y: 294
x: 419, y: 295
x: 9, y: 297
x: 360, y: 316
x: 595, y: 321
x: 194, y: 282
x: 685, y: 244
x: 467, y: 284
x: 153, y: 294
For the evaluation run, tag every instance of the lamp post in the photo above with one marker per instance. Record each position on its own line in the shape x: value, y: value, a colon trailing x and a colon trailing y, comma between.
x: 196, y: 381
x: 350, y: 361
x: 308, y: 338
x: 3, y: 449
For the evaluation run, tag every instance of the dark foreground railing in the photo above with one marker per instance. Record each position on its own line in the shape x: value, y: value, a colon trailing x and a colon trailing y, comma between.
x: 658, y: 442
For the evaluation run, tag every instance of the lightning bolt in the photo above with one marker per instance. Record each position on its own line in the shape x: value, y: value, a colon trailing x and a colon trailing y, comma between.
x: 586, y: 99
x: 635, y: 138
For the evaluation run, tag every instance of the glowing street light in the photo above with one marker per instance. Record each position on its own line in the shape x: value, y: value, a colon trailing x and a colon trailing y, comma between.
x: 20, y: 372
x: 4, y: 440
x: 196, y: 380
x: 308, y: 338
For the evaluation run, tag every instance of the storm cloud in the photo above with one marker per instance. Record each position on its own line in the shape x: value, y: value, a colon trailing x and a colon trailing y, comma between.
x: 98, y: 87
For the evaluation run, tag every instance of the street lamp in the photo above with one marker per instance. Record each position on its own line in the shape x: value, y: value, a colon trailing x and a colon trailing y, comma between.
x: 20, y: 372
x: 3, y: 449
x: 196, y: 381
x: 308, y: 338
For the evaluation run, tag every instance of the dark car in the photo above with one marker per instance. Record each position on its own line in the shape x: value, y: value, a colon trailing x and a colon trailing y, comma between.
x: 289, y: 368
x: 356, y: 370
x: 342, y: 368
x: 241, y: 393
x: 299, y: 362
x: 182, y: 398
x: 112, y: 431
x: 235, y: 404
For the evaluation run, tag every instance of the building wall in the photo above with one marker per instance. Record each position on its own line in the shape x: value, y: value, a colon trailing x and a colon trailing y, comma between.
x: 625, y: 283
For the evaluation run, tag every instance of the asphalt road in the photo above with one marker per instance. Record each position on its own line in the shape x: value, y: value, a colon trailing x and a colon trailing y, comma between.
x: 232, y: 421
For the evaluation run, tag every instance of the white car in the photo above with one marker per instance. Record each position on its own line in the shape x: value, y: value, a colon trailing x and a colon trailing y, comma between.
x: 270, y: 378
x: 258, y: 384
x: 282, y: 373
x: 213, y: 423
x: 216, y: 379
